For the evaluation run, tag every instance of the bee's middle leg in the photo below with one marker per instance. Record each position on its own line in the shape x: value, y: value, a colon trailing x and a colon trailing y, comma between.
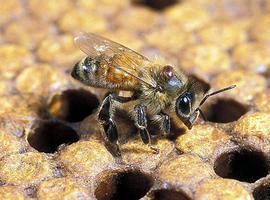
x: 141, y: 124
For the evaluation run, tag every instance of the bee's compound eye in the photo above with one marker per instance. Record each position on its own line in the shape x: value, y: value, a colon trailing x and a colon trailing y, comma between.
x: 168, y: 72
x: 85, y: 69
x: 183, y: 104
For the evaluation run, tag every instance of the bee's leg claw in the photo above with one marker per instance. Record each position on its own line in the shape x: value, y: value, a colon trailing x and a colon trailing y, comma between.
x: 155, y: 150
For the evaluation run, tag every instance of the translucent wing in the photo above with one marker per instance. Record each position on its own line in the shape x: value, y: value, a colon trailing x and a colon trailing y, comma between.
x: 116, y: 55
x: 94, y: 45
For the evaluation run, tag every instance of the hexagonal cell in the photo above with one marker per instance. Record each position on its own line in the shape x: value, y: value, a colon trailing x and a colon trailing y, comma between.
x: 49, y: 135
x: 243, y: 165
x: 73, y: 105
x: 225, y: 111
x: 130, y: 185
x: 262, y: 192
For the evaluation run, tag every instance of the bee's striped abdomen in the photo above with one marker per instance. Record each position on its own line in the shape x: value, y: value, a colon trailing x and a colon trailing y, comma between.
x: 94, y: 73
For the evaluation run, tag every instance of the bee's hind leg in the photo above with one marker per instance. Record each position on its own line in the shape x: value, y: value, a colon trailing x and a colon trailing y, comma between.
x: 141, y: 124
x: 105, y: 116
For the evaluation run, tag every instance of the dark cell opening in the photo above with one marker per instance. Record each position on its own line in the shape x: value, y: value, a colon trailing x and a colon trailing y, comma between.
x: 247, y: 166
x: 262, y: 192
x: 131, y: 185
x: 225, y: 111
x: 48, y: 136
x: 169, y: 195
x: 73, y: 105
x: 156, y: 4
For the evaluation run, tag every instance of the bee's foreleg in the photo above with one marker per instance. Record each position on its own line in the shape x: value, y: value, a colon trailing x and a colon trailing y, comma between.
x: 141, y: 124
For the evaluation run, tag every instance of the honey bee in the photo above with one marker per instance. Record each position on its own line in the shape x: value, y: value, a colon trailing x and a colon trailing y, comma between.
x: 159, y: 90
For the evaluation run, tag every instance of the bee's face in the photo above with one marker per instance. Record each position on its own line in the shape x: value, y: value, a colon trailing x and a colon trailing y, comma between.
x: 184, y: 108
x: 186, y: 105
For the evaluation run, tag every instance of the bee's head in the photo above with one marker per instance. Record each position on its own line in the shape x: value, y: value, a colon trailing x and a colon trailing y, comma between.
x: 187, y: 105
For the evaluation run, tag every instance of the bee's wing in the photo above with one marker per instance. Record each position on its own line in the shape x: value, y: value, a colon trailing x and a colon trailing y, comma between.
x: 94, y: 45
x: 116, y: 55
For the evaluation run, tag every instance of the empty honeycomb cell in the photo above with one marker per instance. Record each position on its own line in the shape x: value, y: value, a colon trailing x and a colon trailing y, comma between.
x: 47, y: 136
x: 62, y: 188
x: 54, y: 10
x: 243, y: 165
x: 224, y: 34
x: 13, y: 59
x: 156, y: 4
x: 224, y: 110
x: 11, y: 192
x: 26, y: 168
x: 54, y: 50
x: 222, y: 189
x: 74, y: 21
x: 40, y: 79
x: 86, y: 158
x: 120, y: 185
x: 203, y: 140
x: 262, y: 192
x: 203, y: 59
x: 73, y: 105
x: 184, y: 169
x: 18, y: 31
x: 184, y: 16
x: 169, y: 194
x: 248, y: 84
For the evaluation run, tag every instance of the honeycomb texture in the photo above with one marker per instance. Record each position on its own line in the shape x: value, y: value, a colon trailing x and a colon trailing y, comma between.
x: 51, y: 144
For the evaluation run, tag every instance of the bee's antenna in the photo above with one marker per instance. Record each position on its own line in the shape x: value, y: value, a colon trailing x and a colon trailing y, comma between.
x: 216, y: 92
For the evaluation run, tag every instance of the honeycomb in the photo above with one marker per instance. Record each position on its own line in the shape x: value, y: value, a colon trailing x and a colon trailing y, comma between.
x: 51, y: 144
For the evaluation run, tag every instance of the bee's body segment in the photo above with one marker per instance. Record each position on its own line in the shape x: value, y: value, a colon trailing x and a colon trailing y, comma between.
x: 159, y: 90
x: 94, y: 72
